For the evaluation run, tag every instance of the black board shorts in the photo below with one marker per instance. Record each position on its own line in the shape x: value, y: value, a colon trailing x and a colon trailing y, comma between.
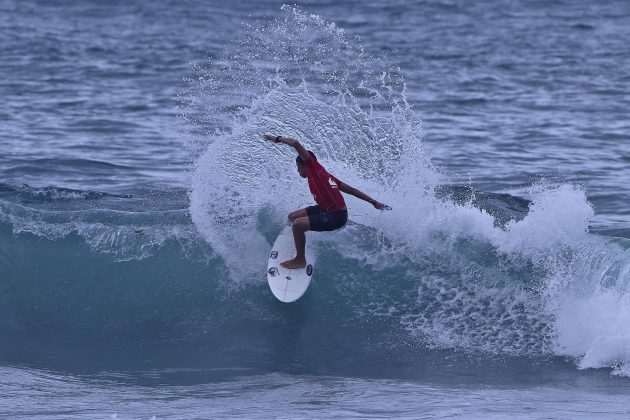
x: 324, y: 222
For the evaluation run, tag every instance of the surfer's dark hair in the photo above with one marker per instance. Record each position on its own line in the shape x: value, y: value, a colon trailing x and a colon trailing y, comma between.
x: 299, y: 160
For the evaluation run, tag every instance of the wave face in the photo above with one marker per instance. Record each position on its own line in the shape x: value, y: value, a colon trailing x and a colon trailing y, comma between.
x: 449, y: 269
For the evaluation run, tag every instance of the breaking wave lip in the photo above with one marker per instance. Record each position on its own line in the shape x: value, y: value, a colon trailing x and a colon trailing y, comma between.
x: 120, y: 225
x: 26, y: 193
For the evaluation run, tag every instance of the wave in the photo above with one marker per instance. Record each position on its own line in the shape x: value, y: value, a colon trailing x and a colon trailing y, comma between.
x: 448, y: 268
x: 535, y: 285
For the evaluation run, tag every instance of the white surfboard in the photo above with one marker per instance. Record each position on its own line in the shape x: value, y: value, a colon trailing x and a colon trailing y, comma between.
x: 288, y: 285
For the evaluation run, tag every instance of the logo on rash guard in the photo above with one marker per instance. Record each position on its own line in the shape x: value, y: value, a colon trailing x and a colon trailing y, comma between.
x: 333, y: 183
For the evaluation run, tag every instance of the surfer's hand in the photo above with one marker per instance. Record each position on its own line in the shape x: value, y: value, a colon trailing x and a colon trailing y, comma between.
x: 381, y: 206
x: 271, y: 138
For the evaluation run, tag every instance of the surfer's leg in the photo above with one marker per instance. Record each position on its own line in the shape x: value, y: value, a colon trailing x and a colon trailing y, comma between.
x: 297, y: 214
x: 300, y: 226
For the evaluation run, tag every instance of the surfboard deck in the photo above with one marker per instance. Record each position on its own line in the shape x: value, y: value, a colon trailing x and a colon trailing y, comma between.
x: 288, y: 285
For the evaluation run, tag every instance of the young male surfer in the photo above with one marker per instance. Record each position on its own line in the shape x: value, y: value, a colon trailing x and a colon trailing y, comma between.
x: 330, y: 213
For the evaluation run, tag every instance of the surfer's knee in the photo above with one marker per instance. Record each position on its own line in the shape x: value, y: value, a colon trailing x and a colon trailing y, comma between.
x: 296, y: 215
x: 301, y: 224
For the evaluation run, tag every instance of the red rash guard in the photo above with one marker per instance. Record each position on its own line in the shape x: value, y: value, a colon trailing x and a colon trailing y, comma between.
x: 324, y: 187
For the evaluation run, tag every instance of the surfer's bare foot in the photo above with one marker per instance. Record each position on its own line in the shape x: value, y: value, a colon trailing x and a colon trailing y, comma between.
x: 294, y: 263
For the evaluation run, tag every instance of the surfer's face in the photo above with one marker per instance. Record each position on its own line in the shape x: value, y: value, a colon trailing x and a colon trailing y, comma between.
x: 301, y: 170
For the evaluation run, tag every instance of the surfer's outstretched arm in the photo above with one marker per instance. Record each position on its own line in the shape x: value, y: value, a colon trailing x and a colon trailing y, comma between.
x: 363, y: 196
x: 304, y: 154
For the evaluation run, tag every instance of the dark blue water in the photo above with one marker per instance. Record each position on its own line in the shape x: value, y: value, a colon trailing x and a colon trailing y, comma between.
x: 138, y: 205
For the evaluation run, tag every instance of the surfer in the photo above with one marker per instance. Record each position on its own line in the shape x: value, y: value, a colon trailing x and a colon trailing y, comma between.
x: 330, y: 213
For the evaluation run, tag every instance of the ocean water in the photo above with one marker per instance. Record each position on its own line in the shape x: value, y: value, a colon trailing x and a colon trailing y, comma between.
x: 138, y: 205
